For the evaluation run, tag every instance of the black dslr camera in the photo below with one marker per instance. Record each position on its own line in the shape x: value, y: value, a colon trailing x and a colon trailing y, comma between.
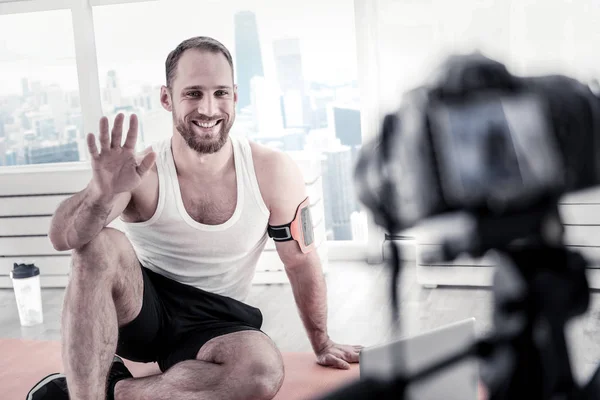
x: 479, y: 143
x: 481, y: 140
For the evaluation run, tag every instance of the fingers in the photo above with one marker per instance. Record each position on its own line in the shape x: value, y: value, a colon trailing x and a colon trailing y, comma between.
x: 131, y: 133
x: 351, y: 355
x: 104, y: 138
x: 91, y: 142
x: 147, y: 150
x: 139, y: 156
x: 332, y: 361
x: 146, y: 163
x: 117, y: 131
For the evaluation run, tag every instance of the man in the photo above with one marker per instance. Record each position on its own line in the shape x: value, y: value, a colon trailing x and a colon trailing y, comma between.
x: 197, y: 209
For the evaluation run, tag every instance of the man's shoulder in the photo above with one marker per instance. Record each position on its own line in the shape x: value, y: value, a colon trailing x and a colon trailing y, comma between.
x: 266, y: 159
x: 275, y: 170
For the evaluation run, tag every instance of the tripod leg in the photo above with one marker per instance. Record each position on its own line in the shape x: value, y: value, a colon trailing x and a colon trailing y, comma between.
x: 536, y: 291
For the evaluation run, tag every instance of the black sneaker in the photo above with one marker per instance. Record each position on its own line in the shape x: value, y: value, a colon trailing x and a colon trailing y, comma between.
x: 52, y: 387
x: 118, y: 371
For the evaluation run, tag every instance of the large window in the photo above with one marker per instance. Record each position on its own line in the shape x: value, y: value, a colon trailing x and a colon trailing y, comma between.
x: 296, y: 71
x: 296, y: 67
x: 529, y: 36
x: 40, y: 112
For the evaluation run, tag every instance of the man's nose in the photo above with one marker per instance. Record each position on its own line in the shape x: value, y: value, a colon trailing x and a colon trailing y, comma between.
x: 207, y: 106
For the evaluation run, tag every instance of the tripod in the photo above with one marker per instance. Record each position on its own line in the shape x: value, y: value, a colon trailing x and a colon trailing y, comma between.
x: 539, y: 285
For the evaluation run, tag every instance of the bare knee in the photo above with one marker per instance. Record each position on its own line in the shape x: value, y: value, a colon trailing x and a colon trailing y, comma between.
x: 265, y: 377
x: 252, y: 361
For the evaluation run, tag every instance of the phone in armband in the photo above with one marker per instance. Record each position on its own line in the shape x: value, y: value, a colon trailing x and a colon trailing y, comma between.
x: 300, y: 229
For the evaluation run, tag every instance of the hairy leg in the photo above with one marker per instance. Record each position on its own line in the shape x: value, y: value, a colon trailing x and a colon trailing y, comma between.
x: 104, y: 292
x: 240, y: 365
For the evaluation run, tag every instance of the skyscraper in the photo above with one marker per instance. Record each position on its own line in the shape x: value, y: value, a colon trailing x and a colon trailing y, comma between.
x: 25, y: 87
x: 10, y: 157
x: 265, y: 107
x: 248, y: 58
x: 288, y: 60
x: 59, y: 108
x: 112, y: 92
x: 111, y: 79
x: 347, y: 125
x: 339, y: 193
x: 52, y: 154
x: 290, y: 74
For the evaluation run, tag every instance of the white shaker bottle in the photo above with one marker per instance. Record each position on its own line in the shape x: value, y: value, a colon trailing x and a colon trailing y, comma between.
x: 26, y: 282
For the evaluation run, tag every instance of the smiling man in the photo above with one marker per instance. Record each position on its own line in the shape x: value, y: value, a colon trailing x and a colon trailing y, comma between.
x: 197, y: 209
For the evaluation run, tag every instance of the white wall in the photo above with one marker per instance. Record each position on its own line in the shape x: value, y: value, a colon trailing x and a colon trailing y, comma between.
x: 530, y: 36
x: 399, y: 42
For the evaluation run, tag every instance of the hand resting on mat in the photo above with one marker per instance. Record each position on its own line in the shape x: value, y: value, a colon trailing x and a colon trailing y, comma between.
x: 338, y: 355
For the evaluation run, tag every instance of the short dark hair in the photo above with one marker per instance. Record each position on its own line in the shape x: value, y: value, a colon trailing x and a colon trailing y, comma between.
x: 203, y: 43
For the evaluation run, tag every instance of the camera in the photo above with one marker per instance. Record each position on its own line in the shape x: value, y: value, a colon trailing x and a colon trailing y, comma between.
x: 487, y: 155
x: 478, y: 139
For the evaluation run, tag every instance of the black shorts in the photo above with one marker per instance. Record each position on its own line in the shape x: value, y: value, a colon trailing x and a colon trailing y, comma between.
x: 176, y: 320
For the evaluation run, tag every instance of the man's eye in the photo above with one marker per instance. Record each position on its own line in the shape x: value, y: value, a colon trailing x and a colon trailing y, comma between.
x: 194, y: 94
x: 221, y: 93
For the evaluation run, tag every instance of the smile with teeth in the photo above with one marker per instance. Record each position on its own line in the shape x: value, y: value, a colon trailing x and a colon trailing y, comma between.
x: 206, y: 124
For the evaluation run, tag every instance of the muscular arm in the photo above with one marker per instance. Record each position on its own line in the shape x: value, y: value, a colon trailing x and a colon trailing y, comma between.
x: 310, y: 294
x: 283, y: 189
x: 80, y: 218
x: 283, y: 192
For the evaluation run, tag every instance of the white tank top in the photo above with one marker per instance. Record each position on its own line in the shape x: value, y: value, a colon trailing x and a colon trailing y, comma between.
x: 217, y: 258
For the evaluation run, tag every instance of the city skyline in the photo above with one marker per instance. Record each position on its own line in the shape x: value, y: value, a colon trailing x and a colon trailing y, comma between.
x: 283, y: 109
x: 139, y: 54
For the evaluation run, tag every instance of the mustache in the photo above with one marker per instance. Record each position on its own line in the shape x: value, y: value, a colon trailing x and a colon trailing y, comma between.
x: 204, y: 118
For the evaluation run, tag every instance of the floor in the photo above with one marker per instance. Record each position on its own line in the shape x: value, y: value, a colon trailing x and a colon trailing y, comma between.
x: 359, y: 312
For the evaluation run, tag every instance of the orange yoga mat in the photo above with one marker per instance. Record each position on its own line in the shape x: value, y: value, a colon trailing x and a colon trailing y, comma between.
x: 24, y: 362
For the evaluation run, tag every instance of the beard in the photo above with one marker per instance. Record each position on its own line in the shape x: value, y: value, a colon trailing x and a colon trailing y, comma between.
x: 203, y: 143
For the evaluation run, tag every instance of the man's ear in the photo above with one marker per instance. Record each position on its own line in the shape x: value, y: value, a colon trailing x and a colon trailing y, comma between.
x: 166, y: 98
x: 235, y: 94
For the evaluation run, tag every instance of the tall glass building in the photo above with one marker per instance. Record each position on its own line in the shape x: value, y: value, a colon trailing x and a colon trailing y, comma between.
x: 248, y: 58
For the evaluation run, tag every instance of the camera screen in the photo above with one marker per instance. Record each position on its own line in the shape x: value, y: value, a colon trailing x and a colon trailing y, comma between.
x: 494, y: 149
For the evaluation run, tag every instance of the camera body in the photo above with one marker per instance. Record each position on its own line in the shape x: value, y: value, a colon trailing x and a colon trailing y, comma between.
x: 481, y: 140
x: 482, y: 157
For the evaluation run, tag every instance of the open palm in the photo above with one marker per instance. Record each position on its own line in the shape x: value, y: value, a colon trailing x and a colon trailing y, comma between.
x: 115, y: 168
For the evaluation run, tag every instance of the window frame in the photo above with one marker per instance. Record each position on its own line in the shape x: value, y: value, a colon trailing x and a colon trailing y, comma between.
x: 365, y: 16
